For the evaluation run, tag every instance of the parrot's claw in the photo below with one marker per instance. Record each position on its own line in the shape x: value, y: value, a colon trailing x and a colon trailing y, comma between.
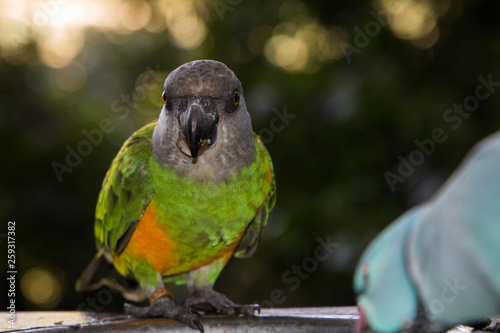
x: 208, y: 300
x: 166, y: 308
x: 492, y: 327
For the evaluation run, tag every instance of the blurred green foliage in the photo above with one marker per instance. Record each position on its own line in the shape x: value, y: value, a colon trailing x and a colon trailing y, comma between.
x: 352, y: 119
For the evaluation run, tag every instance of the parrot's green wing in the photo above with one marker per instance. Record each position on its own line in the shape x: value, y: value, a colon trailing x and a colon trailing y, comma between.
x: 252, y: 235
x: 126, y: 192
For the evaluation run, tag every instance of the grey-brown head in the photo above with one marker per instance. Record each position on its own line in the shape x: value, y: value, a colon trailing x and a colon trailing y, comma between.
x: 204, y: 128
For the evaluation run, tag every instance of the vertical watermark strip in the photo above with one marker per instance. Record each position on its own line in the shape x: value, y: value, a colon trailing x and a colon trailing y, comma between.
x: 11, y: 272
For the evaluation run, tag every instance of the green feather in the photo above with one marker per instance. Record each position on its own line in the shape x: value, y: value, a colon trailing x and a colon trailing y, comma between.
x: 126, y: 191
x: 250, y: 240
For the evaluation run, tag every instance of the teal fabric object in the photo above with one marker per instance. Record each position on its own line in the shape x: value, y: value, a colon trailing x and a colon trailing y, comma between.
x: 438, y: 265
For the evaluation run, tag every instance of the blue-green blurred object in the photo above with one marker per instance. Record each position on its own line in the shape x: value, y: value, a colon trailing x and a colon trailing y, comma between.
x: 438, y: 265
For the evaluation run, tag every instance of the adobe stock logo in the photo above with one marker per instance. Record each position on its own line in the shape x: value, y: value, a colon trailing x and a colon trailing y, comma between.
x: 363, y: 37
x: 120, y: 109
x: 453, y: 117
x: 222, y: 6
x: 84, y: 147
x: 294, y: 276
x: 277, y: 123
x: 450, y: 293
x: 47, y: 10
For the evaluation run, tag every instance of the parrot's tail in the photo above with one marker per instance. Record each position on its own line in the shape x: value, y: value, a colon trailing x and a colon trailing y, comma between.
x: 100, y: 272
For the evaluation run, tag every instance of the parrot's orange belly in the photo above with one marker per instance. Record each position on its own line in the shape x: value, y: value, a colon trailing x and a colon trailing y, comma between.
x: 150, y: 242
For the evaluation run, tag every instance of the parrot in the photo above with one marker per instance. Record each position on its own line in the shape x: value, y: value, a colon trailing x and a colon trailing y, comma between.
x: 183, y: 195
x: 438, y: 265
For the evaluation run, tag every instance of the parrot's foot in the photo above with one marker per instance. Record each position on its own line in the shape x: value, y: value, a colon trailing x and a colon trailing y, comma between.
x: 481, y: 324
x: 492, y: 327
x: 208, y: 300
x: 166, y: 308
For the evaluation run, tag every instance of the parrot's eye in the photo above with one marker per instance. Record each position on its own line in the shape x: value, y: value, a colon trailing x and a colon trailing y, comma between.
x: 164, y: 97
x: 233, y: 105
x: 236, y: 97
x: 366, y: 280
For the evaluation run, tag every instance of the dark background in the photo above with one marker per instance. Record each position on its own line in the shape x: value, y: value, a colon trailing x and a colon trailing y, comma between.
x: 353, y: 117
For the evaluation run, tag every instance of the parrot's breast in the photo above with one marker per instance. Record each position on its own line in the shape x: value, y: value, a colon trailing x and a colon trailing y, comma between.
x: 150, y: 244
x: 190, y: 224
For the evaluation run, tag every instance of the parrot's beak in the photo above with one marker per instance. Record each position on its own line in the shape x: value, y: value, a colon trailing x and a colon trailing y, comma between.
x: 362, y: 323
x: 198, y: 131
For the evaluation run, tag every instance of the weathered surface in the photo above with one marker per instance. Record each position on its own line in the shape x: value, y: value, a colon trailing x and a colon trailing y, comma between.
x: 332, y: 319
x: 340, y: 319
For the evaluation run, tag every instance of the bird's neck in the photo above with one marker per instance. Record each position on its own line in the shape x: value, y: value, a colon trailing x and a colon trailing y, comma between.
x: 228, y: 156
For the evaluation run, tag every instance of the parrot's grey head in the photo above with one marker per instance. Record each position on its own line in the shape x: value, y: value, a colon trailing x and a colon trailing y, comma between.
x: 204, y: 129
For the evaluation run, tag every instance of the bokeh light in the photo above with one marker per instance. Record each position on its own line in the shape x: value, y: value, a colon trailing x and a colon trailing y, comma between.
x: 415, y: 20
x: 58, y: 29
x: 186, y: 26
x: 287, y: 52
x: 41, y: 287
x: 298, y: 43
x: 59, y: 47
x: 303, y: 48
